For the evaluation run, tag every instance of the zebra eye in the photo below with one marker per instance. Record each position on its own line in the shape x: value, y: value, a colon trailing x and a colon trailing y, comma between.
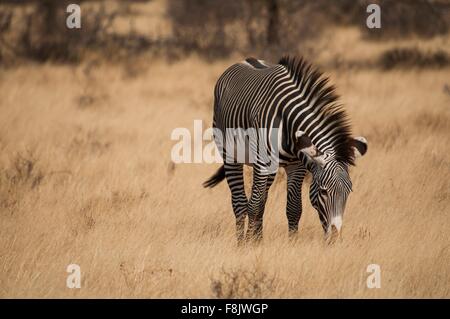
x: 323, y: 191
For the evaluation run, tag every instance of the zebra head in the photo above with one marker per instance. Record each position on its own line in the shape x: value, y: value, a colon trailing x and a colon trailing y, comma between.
x: 328, y: 193
x: 331, y: 182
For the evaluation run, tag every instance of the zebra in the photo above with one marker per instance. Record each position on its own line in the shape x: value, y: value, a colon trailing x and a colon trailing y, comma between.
x: 296, y: 100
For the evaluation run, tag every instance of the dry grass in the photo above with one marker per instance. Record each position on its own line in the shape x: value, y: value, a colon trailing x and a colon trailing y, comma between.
x: 86, y: 178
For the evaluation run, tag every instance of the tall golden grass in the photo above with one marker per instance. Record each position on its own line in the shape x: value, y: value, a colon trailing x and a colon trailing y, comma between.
x: 86, y: 178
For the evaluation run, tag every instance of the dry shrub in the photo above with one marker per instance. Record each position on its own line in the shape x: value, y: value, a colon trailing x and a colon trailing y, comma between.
x: 85, y: 100
x: 96, y: 209
x: 242, y: 284
x: 413, y: 57
x: 431, y: 121
x: 89, y: 142
x: 22, y: 175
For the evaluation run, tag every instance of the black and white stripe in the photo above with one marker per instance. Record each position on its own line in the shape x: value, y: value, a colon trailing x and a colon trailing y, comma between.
x: 292, y: 102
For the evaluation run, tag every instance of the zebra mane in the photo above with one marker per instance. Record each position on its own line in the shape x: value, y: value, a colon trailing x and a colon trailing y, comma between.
x: 317, y: 88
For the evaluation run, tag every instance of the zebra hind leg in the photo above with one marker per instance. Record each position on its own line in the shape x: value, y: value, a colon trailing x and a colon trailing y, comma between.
x: 234, y: 174
x: 256, y: 205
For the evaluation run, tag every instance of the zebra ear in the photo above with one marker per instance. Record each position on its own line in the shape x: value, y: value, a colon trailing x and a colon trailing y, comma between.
x: 304, y: 144
x: 359, y: 146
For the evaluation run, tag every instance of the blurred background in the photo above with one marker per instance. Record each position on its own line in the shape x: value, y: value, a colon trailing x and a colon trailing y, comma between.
x: 122, y: 30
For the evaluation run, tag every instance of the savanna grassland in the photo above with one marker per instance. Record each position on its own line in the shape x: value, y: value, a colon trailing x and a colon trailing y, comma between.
x: 86, y: 178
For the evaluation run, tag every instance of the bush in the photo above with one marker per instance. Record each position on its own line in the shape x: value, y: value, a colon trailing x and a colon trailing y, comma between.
x: 22, y: 175
x: 242, y: 284
x: 413, y: 57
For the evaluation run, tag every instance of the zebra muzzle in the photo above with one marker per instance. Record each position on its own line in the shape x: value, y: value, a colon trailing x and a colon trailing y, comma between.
x: 334, y: 232
x: 333, y: 235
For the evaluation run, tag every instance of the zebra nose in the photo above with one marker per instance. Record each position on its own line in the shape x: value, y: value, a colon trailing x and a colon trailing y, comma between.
x: 336, y: 222
x: 333, y: 235
x: 334, y: 231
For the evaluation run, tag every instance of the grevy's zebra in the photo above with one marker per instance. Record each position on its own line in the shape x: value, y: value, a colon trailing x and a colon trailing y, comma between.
x: 315, y: 136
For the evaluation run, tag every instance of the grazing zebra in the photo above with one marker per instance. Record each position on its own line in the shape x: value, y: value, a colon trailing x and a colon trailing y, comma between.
x: 292, y: 101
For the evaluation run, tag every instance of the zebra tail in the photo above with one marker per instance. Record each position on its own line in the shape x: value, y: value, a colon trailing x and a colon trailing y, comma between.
x: 216, y: 178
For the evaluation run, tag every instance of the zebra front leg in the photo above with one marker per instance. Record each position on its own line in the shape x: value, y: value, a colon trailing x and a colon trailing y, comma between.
x: 235, y: 179
x: 257, y: 203
x: 295, y: 175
